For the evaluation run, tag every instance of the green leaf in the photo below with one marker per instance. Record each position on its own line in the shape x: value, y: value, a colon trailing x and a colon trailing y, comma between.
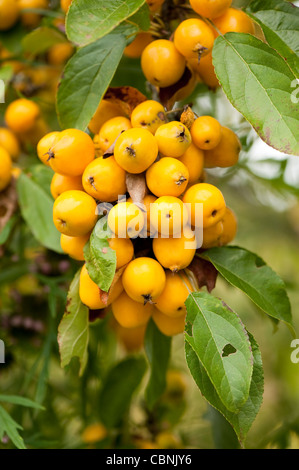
x: 7, y: 229
x: 73, y: 330
x: 42, y: 175
x: 37, y: 210
x: 279, y: 21
x: 6, y: 74
x: 15, y: 400
x: 85, y: 80
x: 241, y: 421
x: 258, y: 82
x: 221, y: 343
x: 100, y: 259
x: 223, y: 433
x: 118, y: 388
x: 158, y: 348
x: 89, y: 20
x: 141, y: 19
x: 9, y: 427
x: 41, y: 39
x: 248, y: 272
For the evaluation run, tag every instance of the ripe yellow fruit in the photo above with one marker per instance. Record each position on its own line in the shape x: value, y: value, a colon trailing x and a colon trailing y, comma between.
x: 169, y: 326
x: 60, y: 53
x: 135, y: 49
x: 172, y: 300
x: 212, y: 235
x: 44, y: 145
x: 210, y: 199
x: 65, y: 5
x: 162, y: 64
x: 94, y: 432
x: 168, y: 216
x: 104, y: 179
x: 173, y: 139
x: 124, y: 250
x: 167, y: 176
x: 31, y: 20
x: 129, y: 313
x: 175, y: 253
x: 131, y: 338
x: 206, y: 71
x: 146, y: 210
x: 149, y: 115
x: 206, y: 132
x: 9, y: 141
x: 155, y: 5
x: 61, y: 183
x: 75, y: 213
x: 16, y: 171
x: 230, y: 226
x: 90, y: 293
x: 235, y: 21
x: 193, y: 38
x: 125, y: 219
x: 193, y: 159
x: 9, y: 14
x: 71, y: 152
x: 73, y: 246
x: 144, y: 280
x: 135, y: 150
x: 175, y: 384
x: 111, y: 130
x: 21, y: 115
x: 210, y: 8
x: 226, y: 154
x: 105, y: 111
x: 5, y: 168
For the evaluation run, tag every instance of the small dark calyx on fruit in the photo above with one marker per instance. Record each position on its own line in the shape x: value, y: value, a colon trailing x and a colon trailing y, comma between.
x: 63, y: 222
x: 51, y: 155
x: 199, y: 49
x: 148, y: 299
x: 91, y: 182
x: 182, y: 135
x: 179, y: 309
x: 181, y: 180
x: 131, y: 151
x: 214, y: 213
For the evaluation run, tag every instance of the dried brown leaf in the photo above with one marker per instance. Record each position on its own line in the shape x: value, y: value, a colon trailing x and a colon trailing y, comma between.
x: 126, y: 97
x: 204, y: 272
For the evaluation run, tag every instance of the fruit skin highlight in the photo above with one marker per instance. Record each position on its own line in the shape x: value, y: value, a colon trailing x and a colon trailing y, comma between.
x: 104, y: 179
x: 162, y: 64
x: 21, y: 115
x: 136, y: 150
x: 129, y: 313
x: 210, y: 8
x: 172, y: 300
x: 71, y: 152
x: 75, y: 213
x: 173, y: 139
x: 167, y: 176
x: 212, y: 201
x: 144, y: 280
x: 5, y: 169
